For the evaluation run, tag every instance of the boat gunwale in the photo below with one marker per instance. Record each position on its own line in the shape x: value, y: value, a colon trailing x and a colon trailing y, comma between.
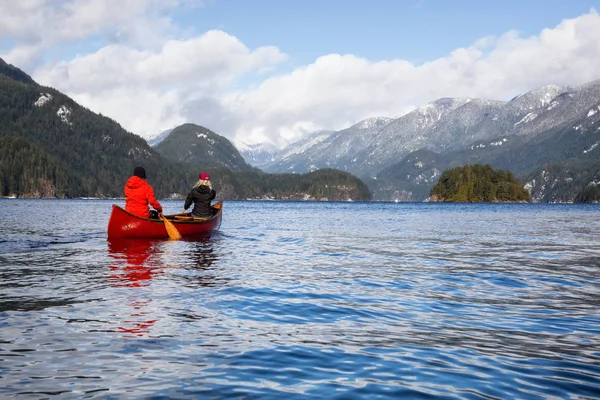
x: 173, y: 219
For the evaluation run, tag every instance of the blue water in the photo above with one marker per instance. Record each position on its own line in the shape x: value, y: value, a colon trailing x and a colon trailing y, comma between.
x: 303, y: 300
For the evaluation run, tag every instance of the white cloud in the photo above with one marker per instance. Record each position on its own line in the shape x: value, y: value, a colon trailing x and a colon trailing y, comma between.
x: 147, y: 91
x: 37, y: 26
x: 203, y: 63
x: 40, y: 20
x: 148, y: 87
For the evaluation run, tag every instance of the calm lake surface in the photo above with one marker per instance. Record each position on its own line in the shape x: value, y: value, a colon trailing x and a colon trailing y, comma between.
x: 294, y: 300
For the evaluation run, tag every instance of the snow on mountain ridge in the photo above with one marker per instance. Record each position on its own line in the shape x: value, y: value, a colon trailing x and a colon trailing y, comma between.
x: 302, y: 146
x: 159, y: 138
x: 257, y: 154
x: 537, y: 98
x: 373, y: 122
x: 434, y: 111
x: 334, y: 149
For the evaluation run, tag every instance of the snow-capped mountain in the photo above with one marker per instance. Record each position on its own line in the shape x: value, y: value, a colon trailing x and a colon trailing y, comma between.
x: 326, y: 149
x: 259, y: 154
x: 437, y: 126
x: 564, y: 107
x: 301, y: 147
x: 159, y: 138
x: 555, y: 163
x: 405, y: 155
x: 444, y: 125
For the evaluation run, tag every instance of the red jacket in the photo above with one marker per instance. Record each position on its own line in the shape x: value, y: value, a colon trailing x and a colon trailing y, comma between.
x: 138, y: 193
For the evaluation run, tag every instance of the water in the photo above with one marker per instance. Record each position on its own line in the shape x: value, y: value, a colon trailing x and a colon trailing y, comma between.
x: 303, y: 300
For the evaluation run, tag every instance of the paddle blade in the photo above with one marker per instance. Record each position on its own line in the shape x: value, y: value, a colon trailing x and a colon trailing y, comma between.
x: 171, y: 229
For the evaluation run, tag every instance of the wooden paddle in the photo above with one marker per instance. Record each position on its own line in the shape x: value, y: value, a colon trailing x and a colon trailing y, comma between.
x: 171, y: 230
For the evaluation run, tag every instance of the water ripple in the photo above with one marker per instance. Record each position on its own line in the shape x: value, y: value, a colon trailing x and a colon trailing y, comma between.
x: 361, y: 300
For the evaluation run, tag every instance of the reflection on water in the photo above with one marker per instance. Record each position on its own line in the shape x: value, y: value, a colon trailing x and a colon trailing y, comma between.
x: 132, y: 264
x: 201, y: 268
x: 304, y: 300
x: 136, y: 263
x: 133, y: 267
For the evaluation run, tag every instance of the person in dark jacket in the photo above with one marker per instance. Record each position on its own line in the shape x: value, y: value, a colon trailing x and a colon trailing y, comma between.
x: 138, y: 194
x: 201, y: 195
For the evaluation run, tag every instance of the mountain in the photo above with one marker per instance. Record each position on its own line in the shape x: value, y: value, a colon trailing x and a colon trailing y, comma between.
x: 401, y: 159
x: 152, y: 142
x: 257, y: 155
x: 573, y: 144
x: 404, y: 135
x: 197, y: 145
x: 519, y: 111
x: 451, y: 124
x: 14, y: 73
x: 327, y: 149
x: 568, y: 182
x: 50, y: 146
x: 298, y: 148
x: 475, y: 120
x: 90, y: 155
x: 542, y: 109
x: 549, y: 138
x: 372, y: 144
x: 446, y: 124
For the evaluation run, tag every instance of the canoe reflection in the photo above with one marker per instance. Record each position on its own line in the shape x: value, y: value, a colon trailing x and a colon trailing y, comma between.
x: 136, y: 263
x: 132, y: 264
x: 134, y: 267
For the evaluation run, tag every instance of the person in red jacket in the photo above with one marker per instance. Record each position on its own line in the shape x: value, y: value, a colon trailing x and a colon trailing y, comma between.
x: 138, y: 193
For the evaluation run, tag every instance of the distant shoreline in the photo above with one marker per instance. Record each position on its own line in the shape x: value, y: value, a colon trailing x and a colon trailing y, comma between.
x: 303, y: 201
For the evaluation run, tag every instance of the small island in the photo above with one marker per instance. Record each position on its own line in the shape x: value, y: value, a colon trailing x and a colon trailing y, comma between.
x: 476, y: 184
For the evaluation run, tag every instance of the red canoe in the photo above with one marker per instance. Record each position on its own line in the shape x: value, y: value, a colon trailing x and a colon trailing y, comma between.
x: 123, y: 224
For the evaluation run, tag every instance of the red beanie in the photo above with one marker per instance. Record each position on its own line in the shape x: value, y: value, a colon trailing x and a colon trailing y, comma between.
x: 204, y: 176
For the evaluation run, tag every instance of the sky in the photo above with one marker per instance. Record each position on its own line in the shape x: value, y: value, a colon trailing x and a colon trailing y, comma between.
x: 273, y: 71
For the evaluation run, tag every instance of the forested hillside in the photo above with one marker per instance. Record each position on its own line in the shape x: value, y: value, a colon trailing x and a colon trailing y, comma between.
x: 570, y: 181
x: 323, y: 184
x: 94, y: 152
x: 25, y: 168
x: 194, y: 144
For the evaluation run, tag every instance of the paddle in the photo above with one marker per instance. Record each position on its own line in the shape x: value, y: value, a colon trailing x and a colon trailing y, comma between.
x: 171, y: 230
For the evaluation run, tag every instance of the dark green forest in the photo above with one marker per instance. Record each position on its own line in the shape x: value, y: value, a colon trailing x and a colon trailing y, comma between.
x: 24, y: 168
x: 478, y: 183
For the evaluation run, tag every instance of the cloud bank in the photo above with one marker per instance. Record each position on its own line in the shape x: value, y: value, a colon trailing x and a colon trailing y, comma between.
x: 149, y: 75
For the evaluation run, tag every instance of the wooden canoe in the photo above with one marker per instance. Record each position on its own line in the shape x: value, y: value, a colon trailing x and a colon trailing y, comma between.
x: 123, y: 224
